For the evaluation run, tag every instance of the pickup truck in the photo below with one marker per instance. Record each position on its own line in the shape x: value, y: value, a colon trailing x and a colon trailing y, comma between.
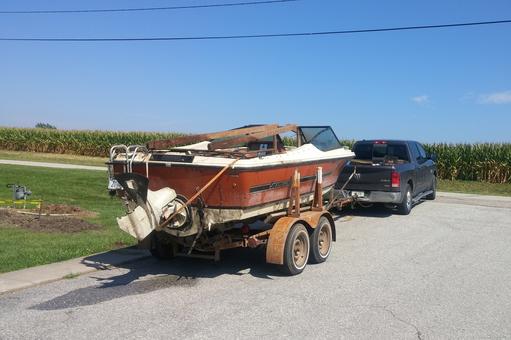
x: 396, y: 172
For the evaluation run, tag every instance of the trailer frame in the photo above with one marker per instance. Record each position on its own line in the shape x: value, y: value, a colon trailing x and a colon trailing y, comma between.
x: 283, y: 246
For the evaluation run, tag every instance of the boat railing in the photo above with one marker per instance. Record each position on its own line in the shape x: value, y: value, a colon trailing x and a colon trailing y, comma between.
x: 136, y: 149
x: 129, y: 154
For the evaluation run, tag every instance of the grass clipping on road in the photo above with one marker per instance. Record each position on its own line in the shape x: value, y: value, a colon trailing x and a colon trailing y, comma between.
x: 25, y: 247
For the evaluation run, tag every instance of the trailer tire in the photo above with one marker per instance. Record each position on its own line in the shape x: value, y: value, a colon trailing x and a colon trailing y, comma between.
x: 296, y: 250
x: 321, y: 241
x: 159, y: 249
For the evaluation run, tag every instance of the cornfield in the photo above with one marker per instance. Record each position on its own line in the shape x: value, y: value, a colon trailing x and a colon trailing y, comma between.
x: 487, y: 162
x: 78, y: 142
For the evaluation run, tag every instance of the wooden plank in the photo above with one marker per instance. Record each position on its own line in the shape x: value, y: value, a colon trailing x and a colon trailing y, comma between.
x: 191, y: 139
x: 250, y: 137
x: 162, y: 144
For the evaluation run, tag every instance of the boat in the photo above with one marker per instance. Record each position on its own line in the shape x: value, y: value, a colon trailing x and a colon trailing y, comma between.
x: 197, y: 187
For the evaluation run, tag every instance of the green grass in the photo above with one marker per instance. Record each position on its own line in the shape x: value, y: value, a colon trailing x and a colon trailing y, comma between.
x: 52, y: 158
x: 472, y: 187
x: 20, y: 248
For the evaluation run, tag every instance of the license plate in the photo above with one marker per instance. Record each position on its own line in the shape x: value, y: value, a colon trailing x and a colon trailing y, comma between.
x: 357, y: 193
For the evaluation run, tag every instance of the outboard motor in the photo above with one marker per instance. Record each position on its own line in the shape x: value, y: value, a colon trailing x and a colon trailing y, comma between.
x: 147, y: 209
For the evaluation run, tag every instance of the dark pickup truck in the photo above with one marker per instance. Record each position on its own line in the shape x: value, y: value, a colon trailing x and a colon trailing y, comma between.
x: 395, y: 172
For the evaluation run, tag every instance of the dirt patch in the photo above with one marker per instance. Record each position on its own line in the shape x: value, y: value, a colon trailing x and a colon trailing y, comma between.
x: 63, y: 209
x: 66, y: 224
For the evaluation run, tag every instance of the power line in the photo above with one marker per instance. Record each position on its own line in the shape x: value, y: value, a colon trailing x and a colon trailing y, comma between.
x: 274, y: 35
x: 109, y: 10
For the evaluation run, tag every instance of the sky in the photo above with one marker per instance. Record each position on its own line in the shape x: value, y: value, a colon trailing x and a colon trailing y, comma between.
x: 442, y: 85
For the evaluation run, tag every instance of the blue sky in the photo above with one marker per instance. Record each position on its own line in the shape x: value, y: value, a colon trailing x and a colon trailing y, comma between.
x: 438, y: 85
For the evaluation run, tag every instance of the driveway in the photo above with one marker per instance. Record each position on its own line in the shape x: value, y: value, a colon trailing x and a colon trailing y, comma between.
x: 441, y: 272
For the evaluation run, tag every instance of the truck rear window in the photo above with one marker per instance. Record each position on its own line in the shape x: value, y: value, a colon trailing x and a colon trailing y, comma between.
x: 370, y: 151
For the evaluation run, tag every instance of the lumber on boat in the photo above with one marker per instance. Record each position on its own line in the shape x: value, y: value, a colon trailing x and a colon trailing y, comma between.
x: 191, y: 139
x: 232, y: 142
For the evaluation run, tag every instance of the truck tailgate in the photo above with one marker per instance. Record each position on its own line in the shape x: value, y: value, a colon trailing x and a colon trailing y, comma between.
x: 368, y: 177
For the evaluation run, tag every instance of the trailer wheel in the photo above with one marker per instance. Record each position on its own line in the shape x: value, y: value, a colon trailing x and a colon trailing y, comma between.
x: 160, y: 249
x: 296, y: 250
x: 321, y: 241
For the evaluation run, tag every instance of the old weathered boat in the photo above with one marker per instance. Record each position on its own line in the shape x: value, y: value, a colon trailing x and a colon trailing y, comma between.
x: 194, y: 188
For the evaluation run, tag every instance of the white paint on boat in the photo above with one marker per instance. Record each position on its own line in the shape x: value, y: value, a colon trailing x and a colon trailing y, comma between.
x: 302, y: 154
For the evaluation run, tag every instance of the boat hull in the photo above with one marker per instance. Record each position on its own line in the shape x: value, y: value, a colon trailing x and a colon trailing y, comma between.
x: 238, y: 188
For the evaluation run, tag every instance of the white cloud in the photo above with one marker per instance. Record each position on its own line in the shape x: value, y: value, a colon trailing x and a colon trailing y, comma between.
x: 421, y: 99
x: 503, y: 97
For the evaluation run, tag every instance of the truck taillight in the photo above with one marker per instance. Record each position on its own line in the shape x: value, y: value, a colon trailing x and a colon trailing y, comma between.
x: 395, y: 179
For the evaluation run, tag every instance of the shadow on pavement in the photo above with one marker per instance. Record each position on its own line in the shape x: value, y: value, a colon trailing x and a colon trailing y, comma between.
x: 150, y: 274
x: 375, y: 210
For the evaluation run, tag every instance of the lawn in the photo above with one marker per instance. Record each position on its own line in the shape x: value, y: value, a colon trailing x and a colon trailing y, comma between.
x: 20, y: 248
x: 471, y: 187
x: 52, y: 158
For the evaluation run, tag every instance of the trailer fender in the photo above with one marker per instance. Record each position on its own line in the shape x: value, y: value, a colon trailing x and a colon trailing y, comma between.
x: 280, y: 230
x: 311, y: 220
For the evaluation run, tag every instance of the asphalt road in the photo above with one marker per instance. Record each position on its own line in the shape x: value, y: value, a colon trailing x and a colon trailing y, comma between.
x: 442, y: 272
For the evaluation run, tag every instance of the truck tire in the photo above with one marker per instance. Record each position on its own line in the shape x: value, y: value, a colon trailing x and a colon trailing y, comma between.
x: 159, y: 249
x: 321, y: 241
x: 405, y: 206
x: 432, y: 196
x: 296, y: 250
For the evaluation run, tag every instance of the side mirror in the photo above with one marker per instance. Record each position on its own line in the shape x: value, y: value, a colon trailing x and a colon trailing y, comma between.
x: 433, y: 157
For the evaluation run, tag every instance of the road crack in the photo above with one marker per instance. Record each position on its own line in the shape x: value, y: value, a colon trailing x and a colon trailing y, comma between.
x: 419, y: 334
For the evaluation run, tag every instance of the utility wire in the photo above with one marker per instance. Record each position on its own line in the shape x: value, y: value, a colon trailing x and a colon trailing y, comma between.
x: 109, y: 10
x: 274, y: 35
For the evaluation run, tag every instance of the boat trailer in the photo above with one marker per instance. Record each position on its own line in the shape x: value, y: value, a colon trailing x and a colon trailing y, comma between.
x: 294, y: 237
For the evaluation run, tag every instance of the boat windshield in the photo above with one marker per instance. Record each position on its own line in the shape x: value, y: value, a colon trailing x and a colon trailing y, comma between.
x: 322, y: 137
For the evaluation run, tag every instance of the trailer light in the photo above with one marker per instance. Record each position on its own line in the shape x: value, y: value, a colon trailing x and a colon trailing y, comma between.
x: 395, y: 179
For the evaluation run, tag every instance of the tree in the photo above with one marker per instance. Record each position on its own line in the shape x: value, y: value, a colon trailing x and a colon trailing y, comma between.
x: 45, y: 126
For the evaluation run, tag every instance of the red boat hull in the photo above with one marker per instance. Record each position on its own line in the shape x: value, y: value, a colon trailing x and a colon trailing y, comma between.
x: 237, y: 188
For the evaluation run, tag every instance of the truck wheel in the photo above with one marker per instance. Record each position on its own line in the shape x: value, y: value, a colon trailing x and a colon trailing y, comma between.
x: 321, y: 241
x: 159, y: 249
x: 296, y: 250
x: 432, y: 196
x: 405, y: 206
